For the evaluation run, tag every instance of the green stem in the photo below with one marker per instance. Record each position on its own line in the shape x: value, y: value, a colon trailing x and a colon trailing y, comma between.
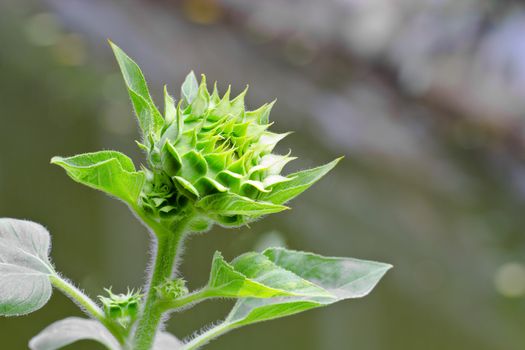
x: 205, y: 337
x: 86, y: 304
x: 191, y: 298
x: 168, y: 242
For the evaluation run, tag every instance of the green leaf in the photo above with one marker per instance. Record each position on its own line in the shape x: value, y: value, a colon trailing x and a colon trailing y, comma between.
x: 145, y: 115
x: 339, y: 278
x: 189, y: 88
x: 230, y: 204
x: 149, y: 117
x: 108, y: 171
x: 24, y: 267
x: 229, y: 281
x: 300, y: 181
x: 327, y: 280
x: 71, y: 330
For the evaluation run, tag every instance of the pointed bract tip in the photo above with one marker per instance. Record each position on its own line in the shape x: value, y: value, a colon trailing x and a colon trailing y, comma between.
x: 245, y: 91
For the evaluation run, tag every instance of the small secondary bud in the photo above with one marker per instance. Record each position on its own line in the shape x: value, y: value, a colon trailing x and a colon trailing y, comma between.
x: 172, y: 289
x: 123, y: 308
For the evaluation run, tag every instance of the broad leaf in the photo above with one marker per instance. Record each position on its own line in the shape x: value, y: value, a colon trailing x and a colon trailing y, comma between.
x: 24, y: 267
x: 300, y: 181
x: 166, y: 341
x: 326, y: 280
x: 230, y: 204
x: 149, y: 117
x: 71, y: 330
x: 108, y: 171
x: 340, y: 278
x: 246, y: 277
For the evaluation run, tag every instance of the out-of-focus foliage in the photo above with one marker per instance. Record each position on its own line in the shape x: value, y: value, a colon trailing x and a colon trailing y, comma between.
x: 424, y: 98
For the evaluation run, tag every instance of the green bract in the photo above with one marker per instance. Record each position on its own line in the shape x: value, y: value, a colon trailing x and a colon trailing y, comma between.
x: 208, y: 160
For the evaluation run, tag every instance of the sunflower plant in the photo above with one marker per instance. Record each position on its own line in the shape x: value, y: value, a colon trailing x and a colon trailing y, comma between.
x: 208, y: 160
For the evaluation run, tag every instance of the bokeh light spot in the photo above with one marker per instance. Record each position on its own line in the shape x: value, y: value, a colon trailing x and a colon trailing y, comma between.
x: 299, y: 50
x: 510, y: 280
x: 202, y: 11
x: 70, y: 50
x: 43, y: 29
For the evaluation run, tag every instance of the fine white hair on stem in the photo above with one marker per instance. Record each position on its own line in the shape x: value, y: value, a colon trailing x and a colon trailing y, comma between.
x: 203, y: 330
x: 81, y: 306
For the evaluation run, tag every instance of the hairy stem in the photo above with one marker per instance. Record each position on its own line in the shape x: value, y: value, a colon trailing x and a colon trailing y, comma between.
x: 86, y: 304
x: 188, y: 299
x: 205, y: 337
x: 167, y: 243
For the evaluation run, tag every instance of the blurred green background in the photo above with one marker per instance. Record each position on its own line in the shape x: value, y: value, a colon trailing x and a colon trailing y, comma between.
x: 425, y: 99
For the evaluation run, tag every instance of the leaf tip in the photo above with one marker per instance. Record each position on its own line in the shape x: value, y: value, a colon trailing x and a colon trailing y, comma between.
x: 113, y: 46
x: 337, y: 160
x: 334, y: 162
x: 56, y: 160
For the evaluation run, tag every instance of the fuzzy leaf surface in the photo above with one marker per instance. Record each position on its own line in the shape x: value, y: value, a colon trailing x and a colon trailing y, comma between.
x: 108, y: 171
x: 71, y: 330
x: 325, y: 280
x: 24, y: 267
x: 336, y: 279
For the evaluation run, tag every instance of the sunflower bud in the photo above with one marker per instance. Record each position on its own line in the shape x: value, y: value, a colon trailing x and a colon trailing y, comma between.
x: 211, y: 150
x: 208, y: 158
x: 172, y: 289
x: 123, y: 308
